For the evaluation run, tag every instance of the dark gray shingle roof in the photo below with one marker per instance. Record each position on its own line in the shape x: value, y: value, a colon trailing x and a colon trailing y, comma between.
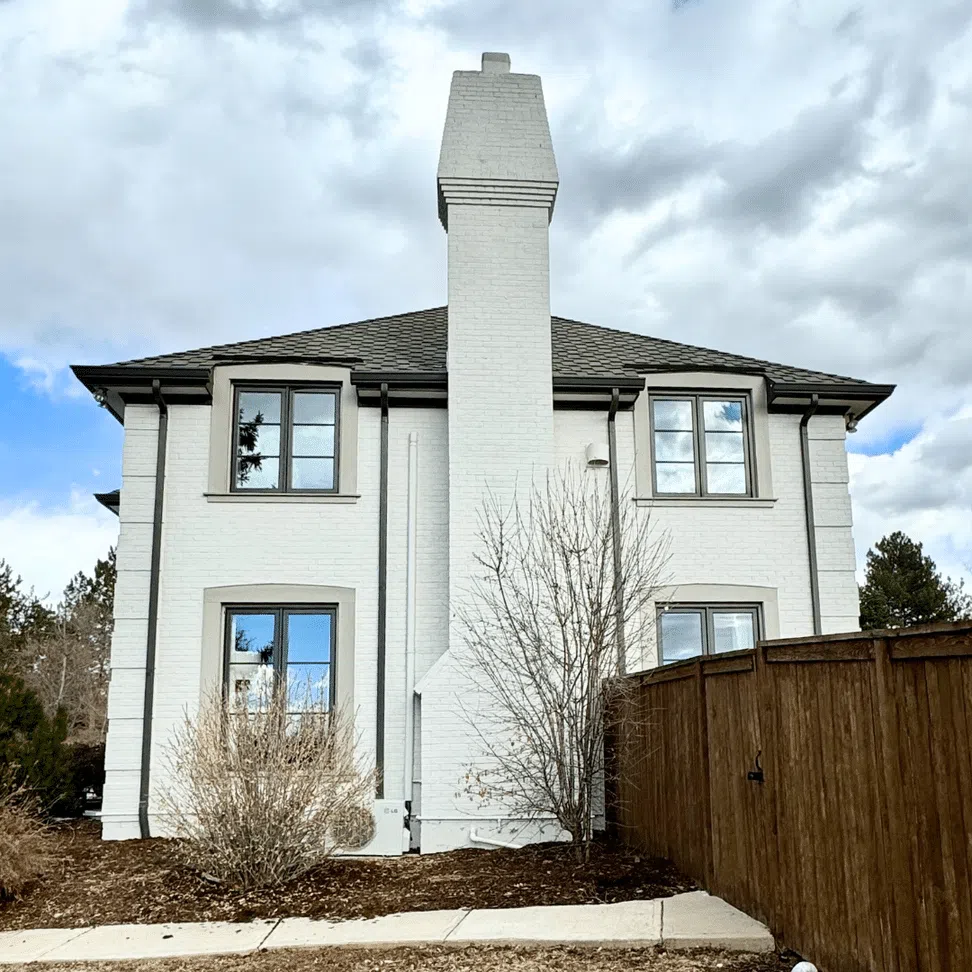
x: 416, y: 342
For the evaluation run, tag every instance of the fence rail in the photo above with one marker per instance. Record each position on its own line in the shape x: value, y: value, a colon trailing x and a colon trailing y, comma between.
x: 823, y: 785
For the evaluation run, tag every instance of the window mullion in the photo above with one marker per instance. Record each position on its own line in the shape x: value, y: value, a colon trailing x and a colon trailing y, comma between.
x: 286, y: 434
x: 279, y: 650
x: 702, y: 487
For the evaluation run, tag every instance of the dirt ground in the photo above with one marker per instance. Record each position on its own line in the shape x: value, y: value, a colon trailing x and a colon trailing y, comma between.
x: 139, y: 882
x: 449, y: 959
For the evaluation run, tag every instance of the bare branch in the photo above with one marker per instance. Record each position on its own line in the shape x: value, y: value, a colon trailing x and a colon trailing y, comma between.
x: 541, y: 621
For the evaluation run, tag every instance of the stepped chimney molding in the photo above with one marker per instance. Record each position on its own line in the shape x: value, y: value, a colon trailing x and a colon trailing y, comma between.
x: 496, y: 147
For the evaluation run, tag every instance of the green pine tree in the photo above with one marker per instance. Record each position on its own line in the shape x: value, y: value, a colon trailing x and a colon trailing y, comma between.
x: 904, y: 587
x: 32, y: 750
x: 22, y: 616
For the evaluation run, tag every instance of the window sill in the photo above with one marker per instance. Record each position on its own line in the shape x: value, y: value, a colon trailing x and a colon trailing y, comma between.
x: 705, y: 502
x: 332, y: 498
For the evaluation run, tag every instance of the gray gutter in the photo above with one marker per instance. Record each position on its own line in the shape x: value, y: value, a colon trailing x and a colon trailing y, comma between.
x: 148, y: 703
x: 382, y: 598
x: 808, y: 507
x: 616, y: 531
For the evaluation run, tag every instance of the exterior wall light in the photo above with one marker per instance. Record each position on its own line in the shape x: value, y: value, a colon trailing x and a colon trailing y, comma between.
x: 598, y: 454
x: 100, y: 396
x: 851, y: 424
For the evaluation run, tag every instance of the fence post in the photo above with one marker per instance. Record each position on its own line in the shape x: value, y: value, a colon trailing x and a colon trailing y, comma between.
x: 772, y: 770
x: 703, y: 730
x: 897, y: 921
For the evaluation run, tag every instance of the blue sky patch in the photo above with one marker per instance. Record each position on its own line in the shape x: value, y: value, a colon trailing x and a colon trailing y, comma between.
x: 51, y: 443
x: 891, y: 440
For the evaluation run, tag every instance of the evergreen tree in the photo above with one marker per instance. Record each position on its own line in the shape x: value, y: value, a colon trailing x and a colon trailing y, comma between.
x: 904, y: 587
x: 32, y: 750
x: 22, y: 617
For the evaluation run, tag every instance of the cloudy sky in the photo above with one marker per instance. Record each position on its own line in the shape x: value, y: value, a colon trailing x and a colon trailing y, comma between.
x: 787, y: 179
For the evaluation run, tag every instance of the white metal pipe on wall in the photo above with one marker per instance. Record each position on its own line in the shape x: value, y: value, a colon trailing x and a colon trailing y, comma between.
x: 410, y: 584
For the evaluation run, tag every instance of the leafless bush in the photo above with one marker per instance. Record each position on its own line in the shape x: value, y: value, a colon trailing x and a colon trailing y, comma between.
x: 25, y: 854
x: 258, y: 797
x: 563, y: 596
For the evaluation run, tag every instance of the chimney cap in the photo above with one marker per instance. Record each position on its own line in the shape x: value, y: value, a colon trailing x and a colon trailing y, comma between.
x: 494, y: 63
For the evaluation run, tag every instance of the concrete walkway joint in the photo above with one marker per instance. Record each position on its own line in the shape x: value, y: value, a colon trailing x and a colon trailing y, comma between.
x: 693, y: 920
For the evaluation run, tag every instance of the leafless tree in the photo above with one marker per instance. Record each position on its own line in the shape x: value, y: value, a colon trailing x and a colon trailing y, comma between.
x: 68, y: 669
x: 563, y: 595
x: 259, y: 797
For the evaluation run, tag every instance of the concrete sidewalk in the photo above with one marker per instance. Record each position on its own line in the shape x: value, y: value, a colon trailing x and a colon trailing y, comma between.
x: 694, y: 920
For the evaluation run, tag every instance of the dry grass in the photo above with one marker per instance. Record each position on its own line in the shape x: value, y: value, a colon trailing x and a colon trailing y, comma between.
x: 448, y: 959
x: 25, y: 853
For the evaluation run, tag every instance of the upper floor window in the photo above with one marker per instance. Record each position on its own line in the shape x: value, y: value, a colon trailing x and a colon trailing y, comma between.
x: 280, y: 648
x: 690, y: 630
x: 285, y: 439
x: 700, y: 445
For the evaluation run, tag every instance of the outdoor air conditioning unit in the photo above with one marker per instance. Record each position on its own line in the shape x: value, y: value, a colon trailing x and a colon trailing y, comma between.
x: 389, y: 835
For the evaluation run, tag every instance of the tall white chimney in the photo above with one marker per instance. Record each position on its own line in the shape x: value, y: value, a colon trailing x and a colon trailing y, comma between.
x: 497, y: 183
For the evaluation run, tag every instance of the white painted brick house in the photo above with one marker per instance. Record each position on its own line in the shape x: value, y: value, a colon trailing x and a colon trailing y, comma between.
x: 346, y: 542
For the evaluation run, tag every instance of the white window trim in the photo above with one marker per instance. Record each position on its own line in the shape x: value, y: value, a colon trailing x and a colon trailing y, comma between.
x: 707, y: 383
x: 221, y: 430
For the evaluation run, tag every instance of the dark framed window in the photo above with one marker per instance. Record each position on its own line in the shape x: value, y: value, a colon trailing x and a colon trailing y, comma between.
x: 285, y: 438
x: 690, y: 630
x: 271, y: 648
x: 701, y: 445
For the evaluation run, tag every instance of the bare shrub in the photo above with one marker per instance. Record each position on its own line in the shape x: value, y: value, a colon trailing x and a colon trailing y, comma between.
x: 564, y: 594
x: 25, y: 854
x: 258, y: 797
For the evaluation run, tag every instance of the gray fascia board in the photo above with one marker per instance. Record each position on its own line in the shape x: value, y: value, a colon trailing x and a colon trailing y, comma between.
x: 437, y: 380
x: 850, y: 394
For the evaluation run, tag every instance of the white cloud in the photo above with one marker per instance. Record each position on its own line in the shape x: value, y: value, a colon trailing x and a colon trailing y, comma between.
x: 923, y: 489
x: 784, y: 180
x: 47, y: 546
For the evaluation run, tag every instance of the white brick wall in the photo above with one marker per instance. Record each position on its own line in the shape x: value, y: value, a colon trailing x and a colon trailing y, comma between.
x: 128, y: 643
x: 217, y: 544
x: 833, y: 523
x: 212, y: 544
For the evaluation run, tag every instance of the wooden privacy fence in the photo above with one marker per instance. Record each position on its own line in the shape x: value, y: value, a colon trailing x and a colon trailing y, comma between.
x: 823, y: 785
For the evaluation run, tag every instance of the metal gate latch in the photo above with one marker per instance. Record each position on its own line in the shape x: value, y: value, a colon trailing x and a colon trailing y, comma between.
x: 756, y: 775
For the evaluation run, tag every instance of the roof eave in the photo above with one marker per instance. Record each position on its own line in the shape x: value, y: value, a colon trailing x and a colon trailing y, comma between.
x: 115, y: 386
x: 856, y: 399
x: 110, y: 501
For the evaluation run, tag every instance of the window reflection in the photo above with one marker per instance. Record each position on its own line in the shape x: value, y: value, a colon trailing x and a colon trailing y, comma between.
x: 287, y: 649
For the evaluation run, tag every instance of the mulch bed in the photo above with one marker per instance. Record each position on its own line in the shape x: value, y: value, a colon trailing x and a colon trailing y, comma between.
x: 478, y: 958
x: 124, y: 882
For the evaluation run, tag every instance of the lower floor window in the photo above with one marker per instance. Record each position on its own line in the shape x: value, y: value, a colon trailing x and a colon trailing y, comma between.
x: 280, y: 648
x: 690, y: 630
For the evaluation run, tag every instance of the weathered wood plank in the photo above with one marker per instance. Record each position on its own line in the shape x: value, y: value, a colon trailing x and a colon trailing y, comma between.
x: 859, y: 649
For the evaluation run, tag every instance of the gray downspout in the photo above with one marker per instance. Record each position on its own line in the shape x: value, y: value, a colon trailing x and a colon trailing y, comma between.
x: 148, y: 703
x: 616, y: 530
x: 808, y: 507
x: 382, y: 598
